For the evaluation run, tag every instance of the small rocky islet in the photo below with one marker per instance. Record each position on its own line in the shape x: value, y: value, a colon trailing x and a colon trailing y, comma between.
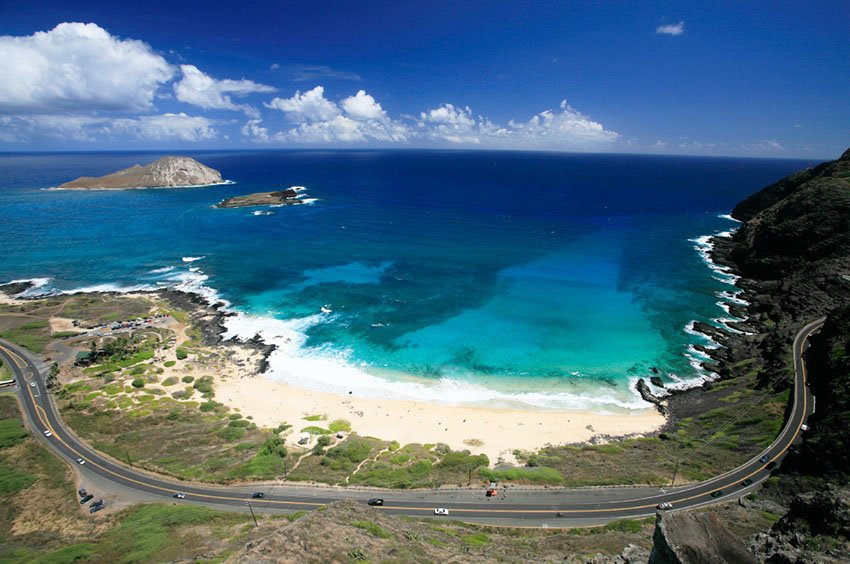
x: 288, y: 197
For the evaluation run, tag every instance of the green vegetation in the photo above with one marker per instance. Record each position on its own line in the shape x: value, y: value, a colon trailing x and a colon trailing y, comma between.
x: 181, y: 353
x: 339, y: 425
x: 373, y: 529
x: 138, y: 383
x: 33, y: 335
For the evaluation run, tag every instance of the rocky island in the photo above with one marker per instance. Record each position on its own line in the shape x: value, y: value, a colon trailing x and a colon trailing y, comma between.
x: 286, y: 197
x: 167, y: 172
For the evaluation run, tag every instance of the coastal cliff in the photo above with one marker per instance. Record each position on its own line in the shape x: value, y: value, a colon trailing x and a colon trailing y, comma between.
x: 167, y: 172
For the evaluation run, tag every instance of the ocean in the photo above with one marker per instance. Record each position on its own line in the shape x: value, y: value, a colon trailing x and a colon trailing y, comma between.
x: 513, y: 279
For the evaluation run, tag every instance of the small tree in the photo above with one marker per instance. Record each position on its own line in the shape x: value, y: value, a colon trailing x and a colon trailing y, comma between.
x: 138, y: 383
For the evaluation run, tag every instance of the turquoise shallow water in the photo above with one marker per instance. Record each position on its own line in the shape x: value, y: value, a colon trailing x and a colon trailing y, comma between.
x: 543, y: 279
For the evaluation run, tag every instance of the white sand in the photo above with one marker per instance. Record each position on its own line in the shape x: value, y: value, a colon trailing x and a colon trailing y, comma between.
x: 500, y: 431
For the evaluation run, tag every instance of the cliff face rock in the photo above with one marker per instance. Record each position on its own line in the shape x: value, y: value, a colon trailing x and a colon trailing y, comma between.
x: 695, y: 538
x: 167, y: 172
x: 816, y: 528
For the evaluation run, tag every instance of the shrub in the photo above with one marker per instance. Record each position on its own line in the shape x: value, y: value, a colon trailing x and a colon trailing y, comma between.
x: 138, y: 383
x: 339, y: 425
x: 181, y: 353
x: 170, y: 381
x: 169, y: 363
x: 188, y: 379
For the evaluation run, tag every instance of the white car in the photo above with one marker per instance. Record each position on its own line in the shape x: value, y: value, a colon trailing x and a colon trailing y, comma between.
x: 664, y: 506
x: 47, y: 433
x: 179, y: 495
x: 80, y: 461
x: 804, y: 427
x: 441, y: 511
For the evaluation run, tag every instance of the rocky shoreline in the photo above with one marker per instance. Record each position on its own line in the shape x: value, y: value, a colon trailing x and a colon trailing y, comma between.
x: 288, y: 197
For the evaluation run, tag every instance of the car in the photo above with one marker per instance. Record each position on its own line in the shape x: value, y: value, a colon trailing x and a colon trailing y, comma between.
x: 258, y: 495
x: 375, y: 501
x: 47, y: 433
x: 747, y: 482
x: 441, y: 511
x: 179, y: 495
x: 96, y: 508
x: 80, y: 461
x: 82, y: 492
x: 559, y: 514
x: 32, y: 384
x: 804, y: 427
x: 86, y: 498
x: 717, y: 493
x: 664, y: 506
x: 96, y: 503
x: 764, y: 458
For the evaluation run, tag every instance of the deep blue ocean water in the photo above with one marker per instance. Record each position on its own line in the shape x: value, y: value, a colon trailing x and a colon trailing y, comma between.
x: 537, y: 278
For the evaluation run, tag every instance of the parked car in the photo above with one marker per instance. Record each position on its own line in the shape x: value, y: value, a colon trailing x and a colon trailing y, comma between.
x: 179, y: 495
x: 804, y: 427
x: 441, y: 511
x: 82, y: 492
x: 717, y: 493
x: 96, y: 503
x: 96, y: 508
x: 86, y: 498
x: 664, y: 506
x: 375, y: 501
x: 747, y: 482
x: 258, y: 495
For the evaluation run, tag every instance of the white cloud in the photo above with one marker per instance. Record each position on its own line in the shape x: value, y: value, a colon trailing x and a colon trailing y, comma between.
x: 360, y: 119
x: 671, y: 29
x: 78, y: 66
x: 766, y: 146
x: 309, y: 106
x: 163, y: 127
x: 564, y: 129
x: 363, y: 106
x: 254, y: 130
x: 200, y: 89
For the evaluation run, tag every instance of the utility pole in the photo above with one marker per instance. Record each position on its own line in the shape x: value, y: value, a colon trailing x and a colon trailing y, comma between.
x: 253, y: 516
x: 675, y: 470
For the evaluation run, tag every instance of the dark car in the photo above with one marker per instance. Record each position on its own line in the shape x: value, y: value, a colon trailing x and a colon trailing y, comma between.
x: 718, y: 493
x: 96, y: 503
x: 747, y: 482
x: 764, y: 458
x: 375, y: 501
x: 258, y: 495
x: 95, y: 509
x: 86, y: 498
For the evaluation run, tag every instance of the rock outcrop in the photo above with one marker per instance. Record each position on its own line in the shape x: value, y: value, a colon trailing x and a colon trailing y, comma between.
x: 695, y: 538
x: 279, y: 198
x: 167, y: 172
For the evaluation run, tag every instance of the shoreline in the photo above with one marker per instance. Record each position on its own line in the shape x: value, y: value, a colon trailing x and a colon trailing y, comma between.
x: 59, y: 188
x: 481, y: 429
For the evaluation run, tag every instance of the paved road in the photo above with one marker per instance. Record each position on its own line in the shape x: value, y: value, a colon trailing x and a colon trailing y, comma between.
x: 531, y: 507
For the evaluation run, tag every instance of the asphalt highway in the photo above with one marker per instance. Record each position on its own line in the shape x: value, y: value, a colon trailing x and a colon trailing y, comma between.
x: 550, y: 507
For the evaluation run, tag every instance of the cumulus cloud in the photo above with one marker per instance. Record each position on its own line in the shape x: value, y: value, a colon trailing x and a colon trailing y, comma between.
x: 363, y: 106
x: 309, y: 106
x: 200, y: 89
x: 671, y: 29
x: 359, y: 118
x: 78, y: 66
x: 566, y: 128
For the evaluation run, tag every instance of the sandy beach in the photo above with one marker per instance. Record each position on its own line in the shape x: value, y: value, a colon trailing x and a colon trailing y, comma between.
x: 494, y: 432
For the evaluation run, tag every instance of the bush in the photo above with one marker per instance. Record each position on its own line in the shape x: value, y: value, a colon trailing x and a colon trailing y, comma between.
x: 181, y: 353
x: 170, y: 381
x: 339, y: 425
x: 169, y: 363
x: 188, y: 379
x: 138, y: 383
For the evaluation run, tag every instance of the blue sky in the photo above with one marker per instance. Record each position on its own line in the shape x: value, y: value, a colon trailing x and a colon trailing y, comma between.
x: 737, y: 78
